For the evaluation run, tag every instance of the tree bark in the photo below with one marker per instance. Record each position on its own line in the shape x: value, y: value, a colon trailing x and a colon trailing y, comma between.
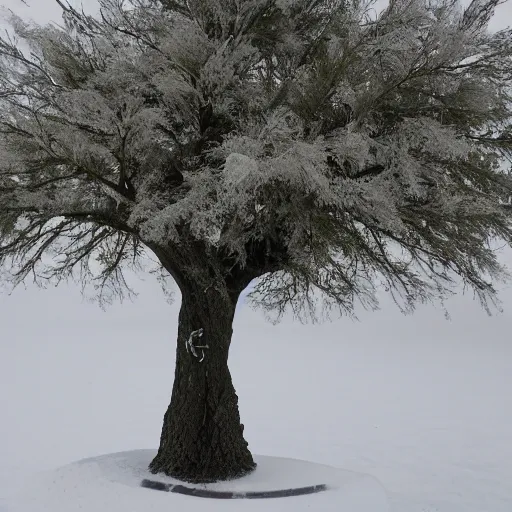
x: 202, y: 436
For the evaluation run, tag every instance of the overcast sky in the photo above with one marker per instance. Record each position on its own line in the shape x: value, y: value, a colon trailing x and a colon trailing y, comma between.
x: 43, y: 11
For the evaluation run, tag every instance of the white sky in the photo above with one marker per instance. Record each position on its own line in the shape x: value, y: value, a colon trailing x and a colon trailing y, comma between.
x: 44, y: 11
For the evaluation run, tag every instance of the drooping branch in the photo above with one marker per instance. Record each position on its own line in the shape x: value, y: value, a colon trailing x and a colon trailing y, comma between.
x: 8, y: 49
x: 70, y: 246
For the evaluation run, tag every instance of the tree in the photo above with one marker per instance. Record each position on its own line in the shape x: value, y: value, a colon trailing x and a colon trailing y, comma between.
x: 308, y: 146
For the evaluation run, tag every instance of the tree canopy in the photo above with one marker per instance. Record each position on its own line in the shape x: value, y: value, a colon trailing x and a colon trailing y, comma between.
x: 314, y: 144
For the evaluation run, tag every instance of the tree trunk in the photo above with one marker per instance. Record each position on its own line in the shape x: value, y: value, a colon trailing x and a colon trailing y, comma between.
x: 202, y: 437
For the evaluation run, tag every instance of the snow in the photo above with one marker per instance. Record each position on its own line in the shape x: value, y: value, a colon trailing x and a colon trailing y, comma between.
x: 112, y: 482
x: 189, y: 344
x: 419, y: 403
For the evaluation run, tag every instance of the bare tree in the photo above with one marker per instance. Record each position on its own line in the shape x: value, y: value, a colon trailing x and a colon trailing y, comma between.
x: 305, y: 145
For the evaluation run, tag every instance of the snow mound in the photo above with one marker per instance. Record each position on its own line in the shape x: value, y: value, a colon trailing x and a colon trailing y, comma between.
x: 112, y: 483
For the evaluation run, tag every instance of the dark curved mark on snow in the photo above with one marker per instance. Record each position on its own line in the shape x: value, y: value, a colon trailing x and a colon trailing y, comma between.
x: 226, y: 495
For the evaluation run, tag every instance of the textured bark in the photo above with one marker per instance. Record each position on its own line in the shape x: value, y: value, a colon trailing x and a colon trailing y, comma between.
x: 202, y: 437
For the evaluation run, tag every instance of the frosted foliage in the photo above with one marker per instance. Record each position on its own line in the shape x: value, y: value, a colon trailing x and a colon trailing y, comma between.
x: 238, y: 168
x: 313, y: 145
x: 223, y: 68
x: 187, y: 44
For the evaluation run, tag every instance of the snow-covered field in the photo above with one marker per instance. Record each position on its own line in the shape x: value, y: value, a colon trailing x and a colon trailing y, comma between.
x: 420, y: 403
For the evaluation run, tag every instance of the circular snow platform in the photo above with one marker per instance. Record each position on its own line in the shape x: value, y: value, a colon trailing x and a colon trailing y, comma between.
x: 121, y: 482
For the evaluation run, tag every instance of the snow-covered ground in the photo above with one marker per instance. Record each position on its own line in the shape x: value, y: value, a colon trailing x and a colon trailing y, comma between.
x: 420, y: 403
x: 112, y: 482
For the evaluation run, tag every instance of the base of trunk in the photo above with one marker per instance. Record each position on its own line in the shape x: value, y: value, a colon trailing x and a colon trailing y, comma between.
x: 203, y: 472
x: 202, y: 437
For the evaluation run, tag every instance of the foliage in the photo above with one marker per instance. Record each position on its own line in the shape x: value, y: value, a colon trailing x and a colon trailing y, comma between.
x: 309, y: 143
